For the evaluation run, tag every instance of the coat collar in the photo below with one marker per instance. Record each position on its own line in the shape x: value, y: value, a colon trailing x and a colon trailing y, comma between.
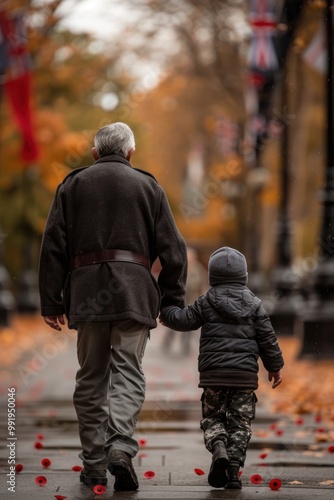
x: 113, y: 159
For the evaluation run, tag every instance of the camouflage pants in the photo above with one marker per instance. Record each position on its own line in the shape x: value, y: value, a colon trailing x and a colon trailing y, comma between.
x: 227, y: 415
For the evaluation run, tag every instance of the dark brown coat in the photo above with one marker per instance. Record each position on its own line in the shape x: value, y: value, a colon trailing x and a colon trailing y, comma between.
x: 110, y: 205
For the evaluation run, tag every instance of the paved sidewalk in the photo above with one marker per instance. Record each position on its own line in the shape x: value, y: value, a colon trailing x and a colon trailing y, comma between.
x: 172, y: 450
x: 168, y: 429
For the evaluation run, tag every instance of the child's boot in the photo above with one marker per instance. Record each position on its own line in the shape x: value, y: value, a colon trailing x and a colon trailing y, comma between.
x: 217, y: 475
x: 234, y: 482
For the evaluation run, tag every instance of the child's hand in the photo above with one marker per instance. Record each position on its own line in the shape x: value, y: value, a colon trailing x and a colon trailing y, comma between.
x: 276, y: 377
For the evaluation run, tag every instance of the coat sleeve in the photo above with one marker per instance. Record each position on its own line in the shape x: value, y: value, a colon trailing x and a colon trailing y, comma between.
x: 171, y: 249
x: 183, y: 320
x: 269, y: 350
x: 53, y: 264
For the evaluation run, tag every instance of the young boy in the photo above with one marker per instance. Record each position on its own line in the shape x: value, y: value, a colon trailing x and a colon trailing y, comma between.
x: 235, y: 331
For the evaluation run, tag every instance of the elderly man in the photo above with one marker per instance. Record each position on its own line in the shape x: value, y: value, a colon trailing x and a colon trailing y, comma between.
x: 107, y: 225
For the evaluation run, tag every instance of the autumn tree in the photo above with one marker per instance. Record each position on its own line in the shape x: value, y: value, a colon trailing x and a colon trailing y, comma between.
x: 75, y: 91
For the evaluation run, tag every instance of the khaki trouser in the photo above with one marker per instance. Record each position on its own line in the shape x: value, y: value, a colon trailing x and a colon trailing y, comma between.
x: 110, y: 388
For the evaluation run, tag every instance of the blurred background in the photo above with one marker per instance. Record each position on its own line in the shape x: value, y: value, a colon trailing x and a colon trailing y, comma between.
x: 231, y: 103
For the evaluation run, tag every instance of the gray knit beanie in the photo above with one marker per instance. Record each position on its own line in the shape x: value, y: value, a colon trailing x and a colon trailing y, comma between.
x: 227, y: 265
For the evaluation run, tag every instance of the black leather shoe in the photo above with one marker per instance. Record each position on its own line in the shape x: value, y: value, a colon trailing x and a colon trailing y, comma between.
x: 120, y: 466
x: 234, y: 482
x: 217, y: 475
x: 91, y: 477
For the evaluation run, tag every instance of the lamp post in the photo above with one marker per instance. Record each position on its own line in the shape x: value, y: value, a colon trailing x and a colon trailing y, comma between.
x: 288, y: 301
x: 318, y: 319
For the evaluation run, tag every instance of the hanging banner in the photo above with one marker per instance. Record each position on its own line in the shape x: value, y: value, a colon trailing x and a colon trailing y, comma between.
x: 262, y: 55
x: 15, y: 73
x: 316, y: 53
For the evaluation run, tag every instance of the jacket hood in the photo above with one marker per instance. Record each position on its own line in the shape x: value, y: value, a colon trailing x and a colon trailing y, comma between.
x: 233, y: 300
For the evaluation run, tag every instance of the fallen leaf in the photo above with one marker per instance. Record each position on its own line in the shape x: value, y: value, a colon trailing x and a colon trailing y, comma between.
x: 295, y: 482
x: 310, y: 453
x: 261, y: 433
x: 314, y: 447
x: 329, y: 481
x: 76, y: 468
x: 149, y: 474
x: 199, y: 472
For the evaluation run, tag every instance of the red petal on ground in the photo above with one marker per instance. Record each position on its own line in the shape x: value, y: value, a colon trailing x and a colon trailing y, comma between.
x: 60, y: 497
x: 272, y: 427
x: 99, y: 489
x: 279, y: 432
x: 142, y: 455
x: 199, y: 472
x: 40, y: 437
x: 263, y: 455
x: 149, y: 474
x: 38, y: 445
x: 46, y: 463
x: 41, y: 480
x: 256, y: 479
x: 275, y: 484
x: 330, y: 449
x: 320, y: 429
x: 318, y: 418
x: 142, y: 442
x: 299, y: 421
x: 77, y: 468
x: 18, y: 468
x: 240, y: 473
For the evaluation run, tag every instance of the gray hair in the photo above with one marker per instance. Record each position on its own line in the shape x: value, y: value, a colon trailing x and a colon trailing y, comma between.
x: 116, y: 138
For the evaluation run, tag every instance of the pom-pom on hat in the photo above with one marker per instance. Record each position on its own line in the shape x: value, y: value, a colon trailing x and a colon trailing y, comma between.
x: 227, y: 265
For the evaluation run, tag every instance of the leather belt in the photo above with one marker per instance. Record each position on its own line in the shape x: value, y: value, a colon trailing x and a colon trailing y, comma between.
x: 86, y: 259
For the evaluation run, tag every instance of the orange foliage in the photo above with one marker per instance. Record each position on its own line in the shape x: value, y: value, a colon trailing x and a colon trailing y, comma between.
x: 307, y: 385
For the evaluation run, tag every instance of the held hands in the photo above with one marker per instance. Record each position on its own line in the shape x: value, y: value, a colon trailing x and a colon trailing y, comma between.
x: 53, y: 321
x: 276, y: 377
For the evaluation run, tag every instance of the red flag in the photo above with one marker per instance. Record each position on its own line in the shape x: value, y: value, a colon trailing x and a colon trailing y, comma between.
x: 16, y: 67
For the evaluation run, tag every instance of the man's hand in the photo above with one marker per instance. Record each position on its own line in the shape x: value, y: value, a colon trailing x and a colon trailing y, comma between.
x: 276, y: 377
x: 53, y: 321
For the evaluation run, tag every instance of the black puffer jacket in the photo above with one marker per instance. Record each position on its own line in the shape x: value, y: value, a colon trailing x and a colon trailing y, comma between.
x: 235, y: 331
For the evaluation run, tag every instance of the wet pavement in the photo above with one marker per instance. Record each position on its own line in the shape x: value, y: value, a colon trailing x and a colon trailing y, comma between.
x: 171, y: 443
